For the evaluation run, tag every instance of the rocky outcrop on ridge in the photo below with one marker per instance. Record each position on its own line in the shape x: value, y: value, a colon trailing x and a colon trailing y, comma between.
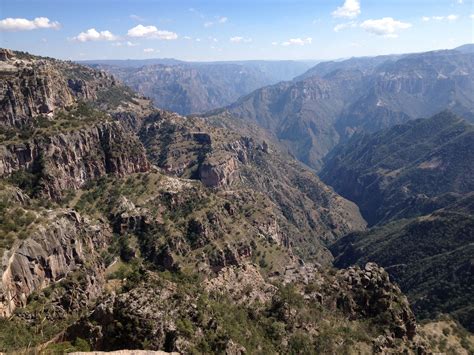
x: 64, y: 244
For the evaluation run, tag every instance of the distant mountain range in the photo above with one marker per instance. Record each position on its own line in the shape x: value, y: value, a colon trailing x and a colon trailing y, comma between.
x: 193, y: 87
x: 333, y: 100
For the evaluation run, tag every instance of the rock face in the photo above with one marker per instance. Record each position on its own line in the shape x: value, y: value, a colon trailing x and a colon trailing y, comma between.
x: 69, y: 160
x: 33, y: 87
x: 365, y: 292
x: 229, y: 156
x: 51, y: 127
x: 66, y: 243
x: 218, y: 173
x: 311, y: 114
x: 243, y: 283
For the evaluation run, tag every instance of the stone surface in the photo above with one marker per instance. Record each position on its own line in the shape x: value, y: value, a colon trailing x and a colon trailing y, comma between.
x: 65, y: 243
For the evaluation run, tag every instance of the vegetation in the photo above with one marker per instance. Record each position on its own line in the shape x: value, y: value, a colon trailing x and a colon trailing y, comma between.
x: 429, y: 257
x: 405, y: 171
x: 82, y: 114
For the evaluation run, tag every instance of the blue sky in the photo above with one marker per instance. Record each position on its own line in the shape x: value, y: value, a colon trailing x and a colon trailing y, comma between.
x: 231, y: 29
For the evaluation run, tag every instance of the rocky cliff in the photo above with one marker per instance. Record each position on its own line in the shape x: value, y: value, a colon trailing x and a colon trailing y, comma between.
x: 54, y: 133
x: 33, y: 86
x: 231, y: 156
x: 69, y: 160
x: 63, y: 243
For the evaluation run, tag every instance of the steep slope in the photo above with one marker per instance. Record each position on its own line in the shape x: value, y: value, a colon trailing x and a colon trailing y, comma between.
x: 199, y: 87
x: 430, y: 257
x: 57, y: 128
x: 311, y: 115
x: 229, y: 156
x: 407, y: 170
x: 413, y: 182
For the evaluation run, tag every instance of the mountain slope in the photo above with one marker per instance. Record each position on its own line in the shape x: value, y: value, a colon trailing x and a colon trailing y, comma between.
x: 430, y: 257
x: 414, y: 184
x: 407, y: 170
x: 227, y: 155
x: 312, y: 115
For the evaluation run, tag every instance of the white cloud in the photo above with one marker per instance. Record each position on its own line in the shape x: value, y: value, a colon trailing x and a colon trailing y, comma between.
x: 298, y: 41
x: 137, y: 18
x: 93, y: 35
x: 124, y: 44
x: 451, y: 17
x: 350, y: 9
x: 198, y: 40
x: 386, y: 26
x: 221, y: 19
x: 239, y: 39
x: 187, y: 38
x: 343, y: 26
x: 471, y: 16
x: 141, y: 31
x: 22, y: 24
x: 150, y: 50
x: 274, y: 43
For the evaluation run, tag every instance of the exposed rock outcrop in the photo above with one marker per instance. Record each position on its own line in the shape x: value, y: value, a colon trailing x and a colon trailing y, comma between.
x: 244, y: 284
x: 65, y: 243
x: 34, y: 87
x: 69, y: 160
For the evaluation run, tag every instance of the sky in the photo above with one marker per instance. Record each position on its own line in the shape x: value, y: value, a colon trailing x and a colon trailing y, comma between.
x: 212, y: 30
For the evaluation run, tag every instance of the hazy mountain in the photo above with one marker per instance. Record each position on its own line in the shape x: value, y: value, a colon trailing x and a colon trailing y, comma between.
x: 310, y: 116
x: 364, y: 64
x: 466, y: 48
x: 131, y: 63
x: 193, y: 87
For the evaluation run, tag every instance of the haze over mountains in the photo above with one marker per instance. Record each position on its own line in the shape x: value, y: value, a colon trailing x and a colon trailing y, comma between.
x: 334, y: 100
x: 126, y: 226
x: 187, y: 87
x: 310, y: 111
